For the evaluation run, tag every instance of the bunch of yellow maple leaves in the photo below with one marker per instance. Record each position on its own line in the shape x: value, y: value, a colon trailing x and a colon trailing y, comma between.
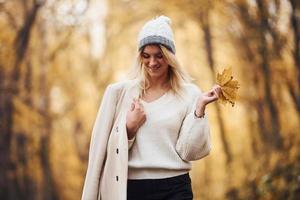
x: 229, y: 87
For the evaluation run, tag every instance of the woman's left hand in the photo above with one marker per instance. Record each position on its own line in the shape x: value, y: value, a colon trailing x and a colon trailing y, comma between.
x: 207, y: 98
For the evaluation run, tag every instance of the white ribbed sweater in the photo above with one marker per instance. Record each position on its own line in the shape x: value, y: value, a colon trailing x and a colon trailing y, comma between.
x: 170, y: 138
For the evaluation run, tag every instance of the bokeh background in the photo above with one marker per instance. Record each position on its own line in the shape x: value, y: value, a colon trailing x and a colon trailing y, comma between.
x: 57, y: 57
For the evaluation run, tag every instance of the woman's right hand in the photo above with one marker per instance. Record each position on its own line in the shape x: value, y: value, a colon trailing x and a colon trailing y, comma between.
x: 135, y: 118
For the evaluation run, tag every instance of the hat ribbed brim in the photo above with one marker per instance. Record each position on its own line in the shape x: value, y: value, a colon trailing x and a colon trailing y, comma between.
x: 156, y: 39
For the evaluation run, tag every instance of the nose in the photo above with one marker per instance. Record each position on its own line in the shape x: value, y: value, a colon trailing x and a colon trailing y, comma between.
x: 152, y: 62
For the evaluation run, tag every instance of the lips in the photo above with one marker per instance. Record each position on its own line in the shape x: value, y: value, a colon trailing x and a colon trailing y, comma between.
x: 154, y: 68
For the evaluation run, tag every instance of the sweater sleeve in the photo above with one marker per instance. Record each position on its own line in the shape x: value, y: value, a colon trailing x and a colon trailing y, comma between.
x: 100, y: 134
x: 194, y: 137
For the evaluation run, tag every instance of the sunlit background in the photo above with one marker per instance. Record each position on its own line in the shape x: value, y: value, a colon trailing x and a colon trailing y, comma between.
x: 57, y: 57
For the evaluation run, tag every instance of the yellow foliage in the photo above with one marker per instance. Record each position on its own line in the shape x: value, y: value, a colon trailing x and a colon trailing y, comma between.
x: 229, y: 86
x: 26, y: 118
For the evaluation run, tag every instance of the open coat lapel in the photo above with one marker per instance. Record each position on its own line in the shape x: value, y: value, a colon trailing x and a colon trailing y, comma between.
x: 106, y: 177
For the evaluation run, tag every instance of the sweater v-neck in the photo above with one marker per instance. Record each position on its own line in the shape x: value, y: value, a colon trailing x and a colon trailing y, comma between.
x: 157, y: 101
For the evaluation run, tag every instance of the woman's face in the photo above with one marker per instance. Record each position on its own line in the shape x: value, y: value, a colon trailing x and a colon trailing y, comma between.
x: 153, y: 60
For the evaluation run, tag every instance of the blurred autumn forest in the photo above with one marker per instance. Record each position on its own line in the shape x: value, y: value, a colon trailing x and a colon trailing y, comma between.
x: 57, y: 57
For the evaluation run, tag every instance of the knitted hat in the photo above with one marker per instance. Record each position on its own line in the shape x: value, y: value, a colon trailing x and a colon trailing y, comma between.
x: 157, y: 31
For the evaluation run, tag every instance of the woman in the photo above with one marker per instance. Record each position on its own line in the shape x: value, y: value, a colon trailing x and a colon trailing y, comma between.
x: 148, y: 130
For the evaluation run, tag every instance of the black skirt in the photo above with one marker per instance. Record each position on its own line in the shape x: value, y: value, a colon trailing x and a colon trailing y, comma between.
x: 174, y: 188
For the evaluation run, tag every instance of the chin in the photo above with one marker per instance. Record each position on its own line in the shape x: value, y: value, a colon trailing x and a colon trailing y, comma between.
x: 155, y: 75
x: 160, y: 72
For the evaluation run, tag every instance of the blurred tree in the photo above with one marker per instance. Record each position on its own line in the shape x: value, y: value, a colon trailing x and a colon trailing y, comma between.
x: 295, y: 23
x: 12, y: 188
x: 258, y: 26
x: 265, y: 67
x: 203, y: 16
x: 49, y: 191
x: 26, y: 115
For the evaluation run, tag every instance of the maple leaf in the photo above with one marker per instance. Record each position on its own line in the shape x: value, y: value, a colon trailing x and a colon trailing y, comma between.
x: 229, y: 86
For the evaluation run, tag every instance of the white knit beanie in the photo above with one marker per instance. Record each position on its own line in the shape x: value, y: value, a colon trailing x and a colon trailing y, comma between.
x: 157, y: 31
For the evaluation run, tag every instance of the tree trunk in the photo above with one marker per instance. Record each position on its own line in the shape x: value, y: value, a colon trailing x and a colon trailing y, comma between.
x: 265, y: 66
x: 49, y: 191
x: 9, y: 182
x: 295, y: 23
x: 204, y: 21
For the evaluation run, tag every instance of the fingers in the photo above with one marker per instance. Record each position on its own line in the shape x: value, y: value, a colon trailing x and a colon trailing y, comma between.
x: 132, y: 106
x: 212, y: 95
x: 138, y: 104
x: 144, y: 119
x: 216, y: 93
x: 218, y: 89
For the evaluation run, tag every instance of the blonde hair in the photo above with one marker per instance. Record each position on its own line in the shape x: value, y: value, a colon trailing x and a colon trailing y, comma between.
x: 177, y: 76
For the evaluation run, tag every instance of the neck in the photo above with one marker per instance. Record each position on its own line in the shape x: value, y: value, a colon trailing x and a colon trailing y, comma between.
x: 160, y: 82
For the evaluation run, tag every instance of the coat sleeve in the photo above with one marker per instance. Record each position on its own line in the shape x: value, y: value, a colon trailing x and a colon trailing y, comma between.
x: 194, y: 137
x: 97, y: 151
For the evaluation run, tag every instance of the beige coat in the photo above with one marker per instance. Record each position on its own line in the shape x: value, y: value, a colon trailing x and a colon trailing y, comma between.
x: 106, y: 177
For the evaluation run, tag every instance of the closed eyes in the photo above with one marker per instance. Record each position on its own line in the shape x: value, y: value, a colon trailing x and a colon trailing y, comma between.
x: 159, y: 55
